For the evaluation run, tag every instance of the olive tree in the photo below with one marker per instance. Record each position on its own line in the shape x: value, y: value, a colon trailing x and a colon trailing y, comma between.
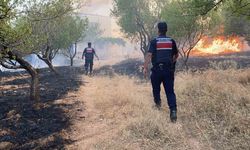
x: 17, y: 38
x: 73, y: 30
x: 137, y: 19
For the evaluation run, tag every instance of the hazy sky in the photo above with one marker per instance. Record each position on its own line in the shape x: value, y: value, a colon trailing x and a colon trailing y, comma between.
x: 101, y: 7
x: 98, y: 7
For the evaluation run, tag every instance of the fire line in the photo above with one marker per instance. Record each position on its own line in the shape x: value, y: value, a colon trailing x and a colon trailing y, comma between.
x: 217, y: 46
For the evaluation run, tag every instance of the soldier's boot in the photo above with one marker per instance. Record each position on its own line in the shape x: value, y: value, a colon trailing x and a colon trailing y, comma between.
x: 86, y: 70
x: 91, y: 73
x: 91, y: 70
x: 157, y: 104
x: 173, y: 115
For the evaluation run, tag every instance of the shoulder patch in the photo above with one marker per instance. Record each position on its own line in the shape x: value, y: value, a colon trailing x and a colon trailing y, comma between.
x: 164, y: 44
x: 89, y: 50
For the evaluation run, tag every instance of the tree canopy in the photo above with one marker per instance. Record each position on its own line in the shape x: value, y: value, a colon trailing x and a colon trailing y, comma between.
x: 188, y: 21
x: 137, y: 19
x: 34, y: 26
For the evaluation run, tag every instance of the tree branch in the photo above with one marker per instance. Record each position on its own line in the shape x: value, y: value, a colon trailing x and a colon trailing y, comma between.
x: 9, y: 66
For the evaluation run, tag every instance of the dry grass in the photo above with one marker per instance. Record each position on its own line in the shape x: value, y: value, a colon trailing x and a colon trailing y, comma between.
x: 217, y: 104
x: 214, y: 112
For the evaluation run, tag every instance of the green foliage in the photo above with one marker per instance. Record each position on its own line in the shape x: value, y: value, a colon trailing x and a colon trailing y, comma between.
x: 202, y: 7
x: 186, y: 25
x: 93, y: 32
x: 11, y: 34
x: 235, y: 25
x: 239, y: 7
x: 137, y: 19
x: 237, y: 18
x: 71, y: 30
x: 51, y: 32
x: 133, y: 15
x: 184, y: 19
x: 27, y: 25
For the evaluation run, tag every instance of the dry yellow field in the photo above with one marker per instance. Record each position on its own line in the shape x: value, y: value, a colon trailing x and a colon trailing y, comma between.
x: 213, y: 113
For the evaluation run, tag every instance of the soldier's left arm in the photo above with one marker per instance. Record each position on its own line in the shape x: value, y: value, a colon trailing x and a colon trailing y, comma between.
x: 148, y: 56
x: 96, y: 55
x: 83, y: 53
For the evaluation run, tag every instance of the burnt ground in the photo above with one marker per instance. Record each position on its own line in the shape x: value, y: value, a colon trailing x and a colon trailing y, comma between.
x: 22, y: 126
x: 242, y: 59
x: 130, y: 67
x: 133, y: 67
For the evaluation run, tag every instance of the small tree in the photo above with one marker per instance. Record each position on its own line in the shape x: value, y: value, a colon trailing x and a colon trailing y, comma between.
x: 93, y: 32
x: 72, y: 32
x: 137, y: 19
x: 47, y: 32
x: 16, y: 34
x: 12, y: 45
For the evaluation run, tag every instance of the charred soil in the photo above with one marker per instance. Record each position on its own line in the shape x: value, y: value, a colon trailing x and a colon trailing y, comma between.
x: 23, y: 126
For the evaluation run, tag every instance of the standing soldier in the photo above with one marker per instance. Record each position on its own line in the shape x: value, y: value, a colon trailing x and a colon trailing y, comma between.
x: 89, y: 54
x: 163, y: 53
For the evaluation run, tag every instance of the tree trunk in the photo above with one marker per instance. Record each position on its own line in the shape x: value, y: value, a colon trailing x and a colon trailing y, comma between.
x: 71, y: 61
x: 48, y: 62
x: 34, y: 87
x: 72, y: 56
x: 185, y: 64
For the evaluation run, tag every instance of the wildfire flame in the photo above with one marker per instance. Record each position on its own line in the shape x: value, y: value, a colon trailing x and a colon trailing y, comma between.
x: 217, y: 46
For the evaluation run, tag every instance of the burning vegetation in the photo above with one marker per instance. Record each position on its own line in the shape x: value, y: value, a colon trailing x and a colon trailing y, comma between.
x: 220, y: 45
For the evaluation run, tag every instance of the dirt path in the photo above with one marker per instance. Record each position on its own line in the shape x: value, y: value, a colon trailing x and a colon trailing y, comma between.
x: 93, y: 127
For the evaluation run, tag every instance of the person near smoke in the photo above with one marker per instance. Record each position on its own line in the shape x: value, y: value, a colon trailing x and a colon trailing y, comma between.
x: 163, y: 54
x: 89, y: 54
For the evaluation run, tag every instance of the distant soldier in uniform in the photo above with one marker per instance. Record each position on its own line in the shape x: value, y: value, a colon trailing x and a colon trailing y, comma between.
x: 89, y: 54
x: 163, y: 54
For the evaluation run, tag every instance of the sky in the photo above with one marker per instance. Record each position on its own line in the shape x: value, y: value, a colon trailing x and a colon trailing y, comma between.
x: 98, y: 7
x: 102, y: 8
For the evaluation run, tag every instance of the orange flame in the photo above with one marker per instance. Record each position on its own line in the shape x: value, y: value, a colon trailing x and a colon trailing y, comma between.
x: 217, y: 46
